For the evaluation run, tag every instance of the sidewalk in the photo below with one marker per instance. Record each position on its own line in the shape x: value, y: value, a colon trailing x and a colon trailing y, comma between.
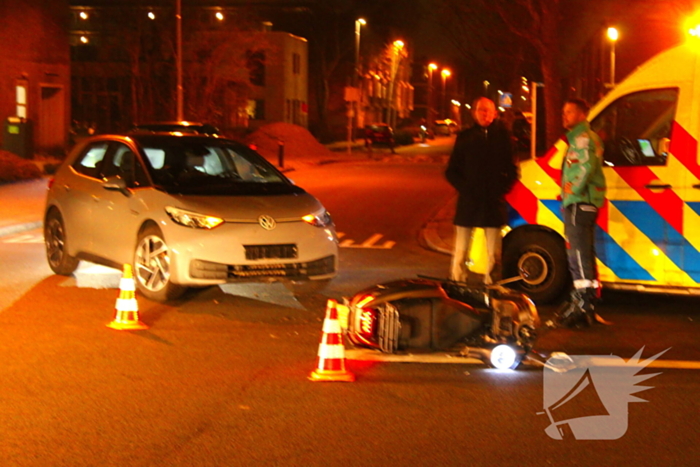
x: 22, y: 205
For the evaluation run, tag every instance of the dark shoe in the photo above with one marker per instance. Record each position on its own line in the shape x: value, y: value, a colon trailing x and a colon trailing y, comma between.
x: 573, y: 314
x: 590, y: 299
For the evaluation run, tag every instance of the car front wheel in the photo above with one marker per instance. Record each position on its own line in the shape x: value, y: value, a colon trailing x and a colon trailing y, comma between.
x: 539, y: 258
x: 57, y: 255
x: 152, y: 267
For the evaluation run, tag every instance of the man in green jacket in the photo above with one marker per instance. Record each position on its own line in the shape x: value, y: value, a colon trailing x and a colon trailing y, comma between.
x: 583, y: 193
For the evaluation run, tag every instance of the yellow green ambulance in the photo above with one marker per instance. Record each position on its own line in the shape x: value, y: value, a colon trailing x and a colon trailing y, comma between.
x: 648, y: 231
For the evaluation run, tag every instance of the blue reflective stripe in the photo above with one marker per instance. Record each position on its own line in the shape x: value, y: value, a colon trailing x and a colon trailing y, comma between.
x: 645, y: 218
x: 617, y: 259
x: 664, y: 235
x: 554, y: 205
x: 514, y: 218
x: 695, y: 206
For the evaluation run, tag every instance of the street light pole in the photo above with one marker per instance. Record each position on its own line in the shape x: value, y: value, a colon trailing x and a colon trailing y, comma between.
x: 445, y: 73
x: 397, y: 50
x: 178, y: 39
x: 358, y: 28
x: 613, y: 36
x: 355, y: 105
x: 429, y: 113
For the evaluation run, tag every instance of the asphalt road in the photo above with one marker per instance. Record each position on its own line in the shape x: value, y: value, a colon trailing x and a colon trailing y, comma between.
x: 220, y: 378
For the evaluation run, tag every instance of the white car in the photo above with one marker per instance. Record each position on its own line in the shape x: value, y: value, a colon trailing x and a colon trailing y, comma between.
x: 185, y: 211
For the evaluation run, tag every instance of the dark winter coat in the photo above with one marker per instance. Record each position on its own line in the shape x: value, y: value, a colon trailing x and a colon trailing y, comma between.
x: 482, y: 170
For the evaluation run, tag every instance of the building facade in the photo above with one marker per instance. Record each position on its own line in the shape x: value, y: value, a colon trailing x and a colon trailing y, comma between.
x: 35, y: 79
x: 236, y: 72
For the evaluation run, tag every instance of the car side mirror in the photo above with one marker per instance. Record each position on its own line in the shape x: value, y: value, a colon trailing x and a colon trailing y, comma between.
x: 116, y: 183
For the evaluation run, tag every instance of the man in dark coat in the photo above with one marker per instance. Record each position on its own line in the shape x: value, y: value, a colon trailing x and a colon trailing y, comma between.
x: 482, y: 170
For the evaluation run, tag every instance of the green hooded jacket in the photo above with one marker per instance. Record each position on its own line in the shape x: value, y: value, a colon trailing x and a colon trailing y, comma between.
x: 583, y: 167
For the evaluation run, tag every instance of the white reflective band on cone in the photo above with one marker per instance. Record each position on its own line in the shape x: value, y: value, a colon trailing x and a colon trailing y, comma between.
x: 331, y: 326
x: 127, y: 284
x: 330, y: 352
x: 127, y: 304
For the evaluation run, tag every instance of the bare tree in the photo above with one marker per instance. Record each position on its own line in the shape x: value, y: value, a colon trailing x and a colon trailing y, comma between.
x: 557, y: 31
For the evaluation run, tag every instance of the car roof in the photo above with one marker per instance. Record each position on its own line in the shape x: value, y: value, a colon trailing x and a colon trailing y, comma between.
x: 176, y: 126
x: 142, y: 138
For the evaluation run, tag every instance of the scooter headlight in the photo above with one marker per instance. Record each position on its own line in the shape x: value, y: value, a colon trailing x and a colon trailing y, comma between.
x: 504, y: 357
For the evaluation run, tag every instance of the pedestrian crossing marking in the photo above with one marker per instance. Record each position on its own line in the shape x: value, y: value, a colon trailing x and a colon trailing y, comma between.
x: 371, y: 242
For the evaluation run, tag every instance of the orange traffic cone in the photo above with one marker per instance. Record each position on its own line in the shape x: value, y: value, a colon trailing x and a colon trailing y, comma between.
x: 331, y: 351
x: 127, y: 308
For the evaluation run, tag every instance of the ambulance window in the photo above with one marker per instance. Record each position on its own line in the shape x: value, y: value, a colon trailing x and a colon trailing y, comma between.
x: 636, y: 128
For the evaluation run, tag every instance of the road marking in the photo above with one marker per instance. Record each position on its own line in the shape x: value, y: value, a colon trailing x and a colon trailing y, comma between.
x: 25, y: 238
x: 371, y: 242
x: 668, y: 364
x: 368, y: 355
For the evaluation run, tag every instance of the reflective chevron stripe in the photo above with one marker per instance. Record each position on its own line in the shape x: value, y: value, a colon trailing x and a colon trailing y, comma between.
x: 643, y: 234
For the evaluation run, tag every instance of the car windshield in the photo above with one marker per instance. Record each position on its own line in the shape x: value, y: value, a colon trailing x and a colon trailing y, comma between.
x: 210, y: 166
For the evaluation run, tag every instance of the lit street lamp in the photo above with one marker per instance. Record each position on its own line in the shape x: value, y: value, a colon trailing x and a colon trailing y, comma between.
x: 358, y: 28
x: 355, y: 105
x: 431, y: 67
x: 445, y: 74
x: 613, y: 36
x: 397, y: 47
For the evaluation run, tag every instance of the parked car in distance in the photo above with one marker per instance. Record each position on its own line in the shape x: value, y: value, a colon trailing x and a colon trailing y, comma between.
x: 185, y: 211
x: 445, y: 127
x: 177, y: 127
x: 379, y: 133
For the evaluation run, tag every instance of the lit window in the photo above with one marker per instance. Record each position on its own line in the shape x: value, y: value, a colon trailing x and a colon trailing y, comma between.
x: 21, y: 91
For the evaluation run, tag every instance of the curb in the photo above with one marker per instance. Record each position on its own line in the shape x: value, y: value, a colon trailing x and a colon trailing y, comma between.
x: 18, y: 228
x: 430, y: 238
x: 430, y: 232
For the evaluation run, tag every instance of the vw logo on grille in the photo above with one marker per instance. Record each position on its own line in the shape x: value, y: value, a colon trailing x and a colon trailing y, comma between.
x: 267, y: 222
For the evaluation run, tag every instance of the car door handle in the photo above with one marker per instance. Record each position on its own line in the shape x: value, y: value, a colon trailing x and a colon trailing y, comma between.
x: 657, y: 186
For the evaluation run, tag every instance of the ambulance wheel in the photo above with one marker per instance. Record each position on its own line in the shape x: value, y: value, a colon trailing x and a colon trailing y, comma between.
x: 539, y: 258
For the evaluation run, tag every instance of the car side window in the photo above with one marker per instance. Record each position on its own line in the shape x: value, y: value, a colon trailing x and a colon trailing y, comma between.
x: 89, y: 163
x: 125, y: 164
x: 636, y: 128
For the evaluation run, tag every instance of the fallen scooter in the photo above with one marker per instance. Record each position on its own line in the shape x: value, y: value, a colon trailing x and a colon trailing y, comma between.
x: 492, y: 323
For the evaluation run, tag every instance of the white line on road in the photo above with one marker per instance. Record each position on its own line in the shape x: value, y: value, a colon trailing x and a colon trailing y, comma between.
x: 26, y: 238
x: 371, y: 240
x: 367, y: 355
x: 369, y: 243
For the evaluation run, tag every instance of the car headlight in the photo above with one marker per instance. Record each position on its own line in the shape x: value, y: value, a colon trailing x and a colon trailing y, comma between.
x: 193, y: 219
x: 319, y: 219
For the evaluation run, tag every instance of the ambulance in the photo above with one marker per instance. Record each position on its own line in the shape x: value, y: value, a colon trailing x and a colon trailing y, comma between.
x: 648, y: 230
